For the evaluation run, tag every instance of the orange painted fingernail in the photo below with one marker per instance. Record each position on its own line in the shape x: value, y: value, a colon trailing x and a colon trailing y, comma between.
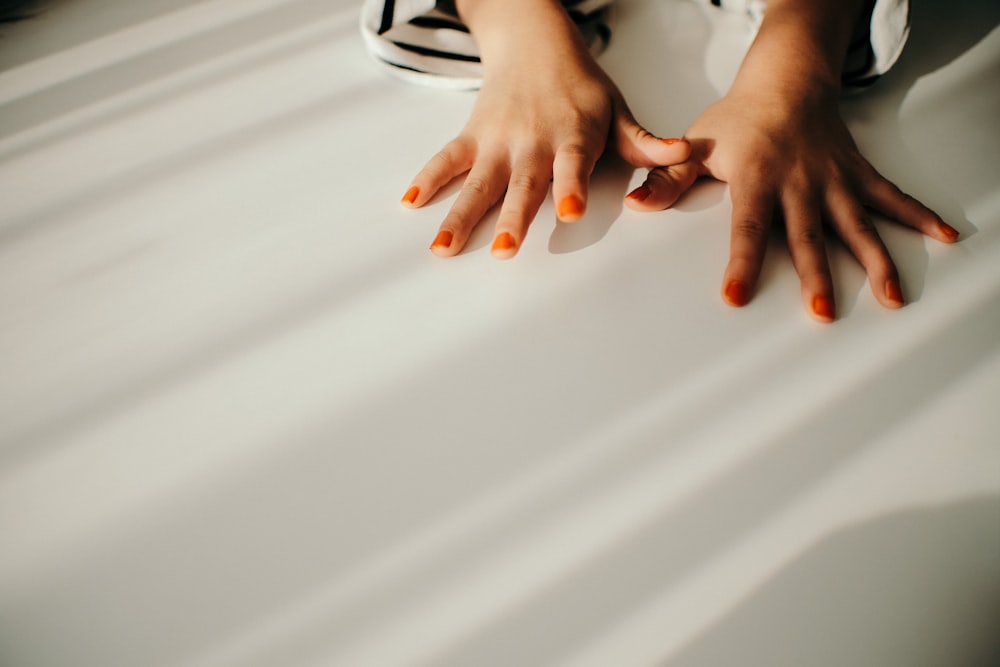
x: 736, y: 293
x: 893, y: 292
x: 640, y: 193
x: 823, y: 307
x: 570, y: 208
x: 503, y: 242
x: 411, y: 195
x: 442, y: 240
x: 670, y: 141
x: 948, y: 231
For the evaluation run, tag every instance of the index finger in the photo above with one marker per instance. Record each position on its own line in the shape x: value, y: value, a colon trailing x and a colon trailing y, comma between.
x: 753, y: 214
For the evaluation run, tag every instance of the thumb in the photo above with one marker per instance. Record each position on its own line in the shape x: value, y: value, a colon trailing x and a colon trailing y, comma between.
x: 641, y: 148
x: 663, y: 187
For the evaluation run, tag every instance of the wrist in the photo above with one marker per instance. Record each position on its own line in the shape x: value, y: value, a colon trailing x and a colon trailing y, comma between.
x: 508, y: 30
x: 800, y: 49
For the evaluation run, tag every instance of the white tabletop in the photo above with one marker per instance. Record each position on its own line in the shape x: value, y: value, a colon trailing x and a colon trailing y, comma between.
x: 246, y: 418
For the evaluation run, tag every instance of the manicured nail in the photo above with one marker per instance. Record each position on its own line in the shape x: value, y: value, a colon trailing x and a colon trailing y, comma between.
x: 822, y: 307
x: 570, y: 208
x: 736, y: 293
x: 503, y: 242
x: 640, y: 193
x: 893, y: 292
x: 948, y: 231
x: 411, y: 195
x: 442, y: 240
x: 670, y: 141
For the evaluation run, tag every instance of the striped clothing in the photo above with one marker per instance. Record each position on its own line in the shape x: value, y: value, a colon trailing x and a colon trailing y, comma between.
x: 424, y: 41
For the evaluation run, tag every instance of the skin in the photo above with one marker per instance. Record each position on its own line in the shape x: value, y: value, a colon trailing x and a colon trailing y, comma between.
x: 776, y: 138
x: 545, y: 112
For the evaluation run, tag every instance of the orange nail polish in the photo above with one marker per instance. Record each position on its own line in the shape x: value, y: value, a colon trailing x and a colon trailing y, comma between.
x: 640, y: 193
x: 823, y: 307
x: 893, y: 292
x: 949, y: 232
x: 411, y: 195
x: 736, y: 293
x: 670, y: 141
x: 570, y: 208
x: 503, y: 242
x: 442, y: 240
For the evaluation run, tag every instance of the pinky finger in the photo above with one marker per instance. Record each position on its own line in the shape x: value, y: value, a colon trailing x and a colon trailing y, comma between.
x: 456, y: 158
x: 885, y: 197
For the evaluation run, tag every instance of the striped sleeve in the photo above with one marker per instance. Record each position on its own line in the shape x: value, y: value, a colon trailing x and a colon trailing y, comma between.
x: 424, y: 41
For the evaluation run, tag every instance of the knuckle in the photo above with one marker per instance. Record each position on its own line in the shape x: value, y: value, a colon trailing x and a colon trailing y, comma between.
x: 863, y: 226
x: 476, y: 186
x: 576, y: 150
x: 525, y: 183
x: 582, y: 127
x: 810, y: 236
x: 445, y: 159
x: 753, y: 228
x: 660, y: 175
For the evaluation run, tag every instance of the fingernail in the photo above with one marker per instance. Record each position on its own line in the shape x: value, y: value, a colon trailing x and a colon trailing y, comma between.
x: 503, y: 242
x: 948, y: 231
x: 411, y: 195
x: 670, y: 141
x: 822, y: 307
x: 893, y: 292
x: 736, y: 293
x: 442, y: 240
x: 570, y: 208
x: 640, y: 193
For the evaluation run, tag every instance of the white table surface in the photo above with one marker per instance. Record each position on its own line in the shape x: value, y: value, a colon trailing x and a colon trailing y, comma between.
x: 246, y: 418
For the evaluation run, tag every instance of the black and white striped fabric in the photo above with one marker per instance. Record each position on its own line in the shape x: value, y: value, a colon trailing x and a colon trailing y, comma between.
x: 424, y: 40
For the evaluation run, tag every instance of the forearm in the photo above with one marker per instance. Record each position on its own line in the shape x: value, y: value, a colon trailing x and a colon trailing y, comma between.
x: 800, y: 49
x: 510, y: 30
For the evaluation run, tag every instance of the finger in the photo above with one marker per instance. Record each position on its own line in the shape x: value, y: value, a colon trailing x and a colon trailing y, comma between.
x: 641, y: 148
x: 663, y: 187
x: 753, y: 213
x: 808, y: 249
x: 483, y: 188
x: 573, y: 164
x: 456, y: 158
x: 854, y: 226
x: 529, y: 184
x: 884, y: 196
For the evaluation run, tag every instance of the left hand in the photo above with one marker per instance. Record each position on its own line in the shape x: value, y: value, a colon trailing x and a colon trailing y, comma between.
x: 792, y: 160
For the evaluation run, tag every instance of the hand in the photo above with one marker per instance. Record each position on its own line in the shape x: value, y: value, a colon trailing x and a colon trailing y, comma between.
x: 546, y: 112
x: 797, y: 163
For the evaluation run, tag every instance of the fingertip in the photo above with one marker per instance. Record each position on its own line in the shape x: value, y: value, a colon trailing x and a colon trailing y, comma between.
x: 948, y: 233
x: 410, y: 196
x: 662, y: 188
x: 570, y: 208
x: 679, y: 148
x: 504, y: 246
x: 640, y: 194
x: 893, y: 294
x: 822, y: 309
x: 443, y: 243
x: 736, y: 293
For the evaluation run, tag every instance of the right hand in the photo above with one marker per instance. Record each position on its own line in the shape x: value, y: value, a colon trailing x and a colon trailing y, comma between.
x: 539, y: 117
